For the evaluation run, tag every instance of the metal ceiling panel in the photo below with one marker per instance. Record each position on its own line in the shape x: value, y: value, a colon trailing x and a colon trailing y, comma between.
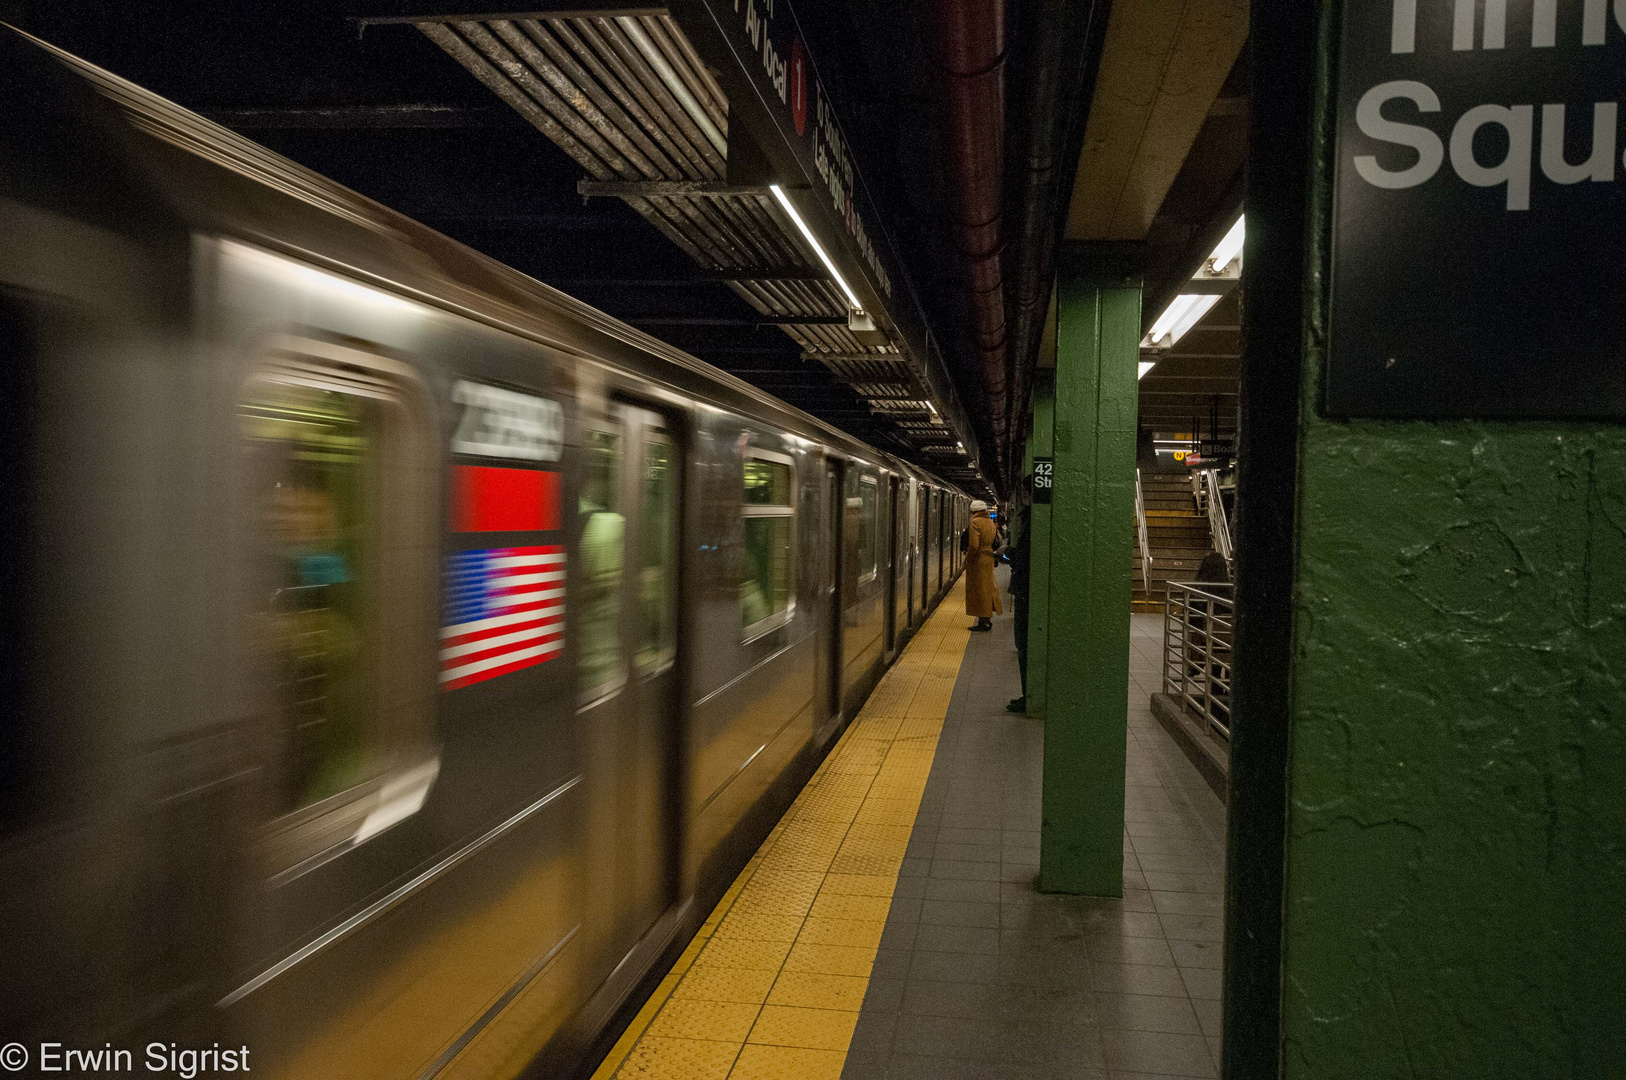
x: 625, y: 94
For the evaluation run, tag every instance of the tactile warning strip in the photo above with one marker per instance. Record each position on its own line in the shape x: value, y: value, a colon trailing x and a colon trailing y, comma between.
x: 772, y: 983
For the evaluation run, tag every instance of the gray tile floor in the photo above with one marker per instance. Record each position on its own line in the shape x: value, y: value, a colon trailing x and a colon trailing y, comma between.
x: 979, y: 975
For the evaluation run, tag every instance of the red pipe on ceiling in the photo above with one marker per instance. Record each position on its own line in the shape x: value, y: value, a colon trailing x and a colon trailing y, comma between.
x: 967, y: 39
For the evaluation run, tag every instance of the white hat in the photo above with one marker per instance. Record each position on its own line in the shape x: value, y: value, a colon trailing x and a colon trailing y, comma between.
x: 978, y: 504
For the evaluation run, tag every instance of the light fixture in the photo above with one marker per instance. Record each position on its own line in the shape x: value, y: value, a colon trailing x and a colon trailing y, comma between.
x: 807, y: 233
x: 1201, y: 303
x: 1165, y: 322
x: 1183, y: 312
x: 1145, y: 366
x: 1228, y: 248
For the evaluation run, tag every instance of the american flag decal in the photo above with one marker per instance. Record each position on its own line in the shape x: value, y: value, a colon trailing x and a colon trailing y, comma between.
x: 505, y: 610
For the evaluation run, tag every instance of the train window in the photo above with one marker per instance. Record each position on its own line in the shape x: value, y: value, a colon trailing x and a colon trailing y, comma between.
x: 765, y: 583
x: 341, y: 503
x: 658, y: 517
x: 314, y: 455
x: 602, y: 545
x: 866, y: 528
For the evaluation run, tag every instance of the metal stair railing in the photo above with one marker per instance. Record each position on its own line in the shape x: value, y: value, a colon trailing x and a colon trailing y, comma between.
x: 1199, y: 625
x: 1219, y: 524
x: 1145, y: 545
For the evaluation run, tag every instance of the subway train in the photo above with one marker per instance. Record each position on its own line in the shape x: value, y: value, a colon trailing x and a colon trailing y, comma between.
x: 401, y: 657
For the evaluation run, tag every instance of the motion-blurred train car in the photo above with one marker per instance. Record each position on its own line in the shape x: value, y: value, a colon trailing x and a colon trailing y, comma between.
x: 399, y: 656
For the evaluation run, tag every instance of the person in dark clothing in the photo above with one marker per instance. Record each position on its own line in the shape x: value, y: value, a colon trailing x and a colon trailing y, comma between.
x: 1214, y: 569
x: 1020, y: 552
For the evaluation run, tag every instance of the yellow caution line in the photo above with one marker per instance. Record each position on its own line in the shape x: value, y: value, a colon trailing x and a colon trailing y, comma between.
x: 772, y: 983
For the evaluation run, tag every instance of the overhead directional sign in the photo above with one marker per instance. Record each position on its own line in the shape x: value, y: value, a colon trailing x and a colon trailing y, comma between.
x: 767, y: 40
x: 761, y: 58
x: 1479, y: 214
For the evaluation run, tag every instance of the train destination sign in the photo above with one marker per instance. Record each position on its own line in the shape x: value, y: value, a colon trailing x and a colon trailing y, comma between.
x: 1479, y: 210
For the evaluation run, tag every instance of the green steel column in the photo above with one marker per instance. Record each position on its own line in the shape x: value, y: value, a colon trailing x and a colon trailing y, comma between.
x: 1044, y: 404
x: 1087, y: 699
x: 1427, y: 851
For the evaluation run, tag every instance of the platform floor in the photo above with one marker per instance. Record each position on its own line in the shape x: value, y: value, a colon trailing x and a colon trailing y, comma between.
x: 890, y: 925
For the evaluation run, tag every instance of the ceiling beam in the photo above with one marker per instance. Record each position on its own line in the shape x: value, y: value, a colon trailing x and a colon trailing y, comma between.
x: 542, y: 10
x: 737, y: 274
x: 708, y: 277
x: 690, y: 320
x: 361, y: 117
x: 643, y: 189
x: 1162, y: 69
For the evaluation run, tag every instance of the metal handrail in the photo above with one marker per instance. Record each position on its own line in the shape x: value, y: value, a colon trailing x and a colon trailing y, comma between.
x: 1145, y: 545
x: 1219, y: 525
x: 1199, y: 625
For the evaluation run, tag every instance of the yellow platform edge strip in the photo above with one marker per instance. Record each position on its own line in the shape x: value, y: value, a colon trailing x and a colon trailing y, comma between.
x: 772, y: 983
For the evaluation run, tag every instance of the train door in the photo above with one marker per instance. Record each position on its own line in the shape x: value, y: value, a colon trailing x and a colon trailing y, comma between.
x: 934, y: 546
x: 956, y: 552
x: 830, y: 539
x: 894, y: 565
x: 923, y: 506
x: 914, y: 552
x: 626, y: 660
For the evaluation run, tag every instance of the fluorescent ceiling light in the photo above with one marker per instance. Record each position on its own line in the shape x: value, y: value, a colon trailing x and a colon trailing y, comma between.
x: 807, y: 233
x: 1183, y: 312
x: 1145, y: 366
x: 1228, y: 248
x: 1201, y: 303
x: 1171, y: 314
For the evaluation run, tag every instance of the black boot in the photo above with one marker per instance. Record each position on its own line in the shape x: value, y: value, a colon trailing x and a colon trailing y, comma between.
x: 983, y: 624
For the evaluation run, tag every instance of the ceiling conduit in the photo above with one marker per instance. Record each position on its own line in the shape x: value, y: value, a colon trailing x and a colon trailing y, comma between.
x: 967, y: 40
x: 1063, y: 41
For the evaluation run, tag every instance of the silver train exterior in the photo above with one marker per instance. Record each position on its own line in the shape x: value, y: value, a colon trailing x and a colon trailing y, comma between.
x: 280, y: 767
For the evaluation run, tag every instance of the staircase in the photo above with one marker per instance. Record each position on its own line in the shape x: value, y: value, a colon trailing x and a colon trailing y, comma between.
x: 1176, y: 533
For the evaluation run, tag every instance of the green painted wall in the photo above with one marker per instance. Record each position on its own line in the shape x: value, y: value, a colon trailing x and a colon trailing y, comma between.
x: 1044, y: 403
x: 1455, y: 899
x: 1086, y: 712
x: 1456, y: 870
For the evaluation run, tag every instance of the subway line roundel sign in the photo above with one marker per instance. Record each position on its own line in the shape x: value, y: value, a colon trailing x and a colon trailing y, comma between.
x: 1479, y: 232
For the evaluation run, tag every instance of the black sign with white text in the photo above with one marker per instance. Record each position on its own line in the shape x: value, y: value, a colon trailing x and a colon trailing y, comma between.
x: 1043, y: 479
x: 1479, y: 214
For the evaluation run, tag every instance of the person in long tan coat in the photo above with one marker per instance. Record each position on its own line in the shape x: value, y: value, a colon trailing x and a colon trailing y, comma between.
x: 981, y: 591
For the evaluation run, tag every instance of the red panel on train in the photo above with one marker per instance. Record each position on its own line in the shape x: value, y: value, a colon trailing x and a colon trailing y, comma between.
x: 489, y: 499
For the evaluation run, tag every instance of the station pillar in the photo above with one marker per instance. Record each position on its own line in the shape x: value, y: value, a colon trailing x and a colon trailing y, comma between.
x: 1427, y: 873
x: 1088, y: 594
x: 1039, y: 446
